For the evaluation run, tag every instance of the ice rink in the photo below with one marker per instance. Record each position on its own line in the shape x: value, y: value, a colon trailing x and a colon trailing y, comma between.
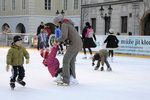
x: 129, y: 80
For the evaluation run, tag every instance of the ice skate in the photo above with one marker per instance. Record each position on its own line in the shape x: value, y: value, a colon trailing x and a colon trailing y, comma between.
x: 12, y: 85
x: 102, y: 68
x: 109, y: 69
x: 73, y: 81
x: 96, y: 68
x: 21, y: 82
x: 91, y: 56
x: 85, y: 57
x: 62, y: 84
x: 58, y: 78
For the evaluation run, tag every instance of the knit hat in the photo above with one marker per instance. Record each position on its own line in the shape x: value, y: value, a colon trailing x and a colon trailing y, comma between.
x: 17, y: 38
x: 58, y: 18
x: 44, y: 53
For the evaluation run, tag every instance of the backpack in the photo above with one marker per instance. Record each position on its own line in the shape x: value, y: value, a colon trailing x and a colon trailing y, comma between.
x: 89, y: 33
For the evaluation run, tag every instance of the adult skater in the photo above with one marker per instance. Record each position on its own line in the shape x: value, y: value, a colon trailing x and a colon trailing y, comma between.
x: 112, y: 43
x: 75, y: 45
x: 87, y: 37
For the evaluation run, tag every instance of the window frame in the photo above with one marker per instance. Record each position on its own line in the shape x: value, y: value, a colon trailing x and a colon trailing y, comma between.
x: 23, y: 4
x: 124, y: 24
x: 76, y: 4
x: 65, y: 4
x: 3, y: 5
x: 47, y: 4
x: 13, y: 4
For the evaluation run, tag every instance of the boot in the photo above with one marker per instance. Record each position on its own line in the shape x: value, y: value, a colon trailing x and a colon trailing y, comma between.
x: 12, y: 85
x: 96, y: 68
x: 62, y: 84
x: 102, y: 68
x: 21, y: 82
x: 73, y: 81
x: 58, y: 78
x: 109, y: 69
x: 85, y: 57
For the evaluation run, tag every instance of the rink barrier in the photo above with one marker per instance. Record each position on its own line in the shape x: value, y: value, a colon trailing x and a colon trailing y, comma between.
x: 29, y: 40
x: 134, y: 45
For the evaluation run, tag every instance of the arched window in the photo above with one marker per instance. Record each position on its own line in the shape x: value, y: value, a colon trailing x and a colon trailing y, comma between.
x: 20, y: 28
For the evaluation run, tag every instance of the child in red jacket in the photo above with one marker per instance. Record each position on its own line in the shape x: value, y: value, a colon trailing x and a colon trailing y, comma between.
x: 51, y: 61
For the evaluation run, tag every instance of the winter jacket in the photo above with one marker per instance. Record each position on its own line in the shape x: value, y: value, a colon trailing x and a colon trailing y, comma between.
x: 58, y: 33
x: 103, y: 55
x: 70, y: 33
x: 15, y: 55
x: 112, y: 41
x: 51, y: 61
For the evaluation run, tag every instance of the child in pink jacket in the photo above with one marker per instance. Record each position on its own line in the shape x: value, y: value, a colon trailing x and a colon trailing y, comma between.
x: 51, y: 61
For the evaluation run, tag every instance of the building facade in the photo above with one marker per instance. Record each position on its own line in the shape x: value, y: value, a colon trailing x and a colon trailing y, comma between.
x: 24, y: 16
x: 123, y: 16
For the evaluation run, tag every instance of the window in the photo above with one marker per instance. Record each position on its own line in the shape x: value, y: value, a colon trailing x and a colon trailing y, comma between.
x: 3, y: 5
x: 124, y: 24
x: 75, y: 4
x: 65, y: 4
x: 13, y: 4
x: 47, y: 4
x: 23, y: 4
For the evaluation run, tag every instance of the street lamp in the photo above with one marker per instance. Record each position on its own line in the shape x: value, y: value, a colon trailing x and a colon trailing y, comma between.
x: 62, y: 12
x: 106, y: 17
x: 57, y: 12
x: 106, y: 14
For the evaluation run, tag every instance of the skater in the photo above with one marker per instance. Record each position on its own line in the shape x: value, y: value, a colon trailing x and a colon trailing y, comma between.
x: 53, y: 64
x: 87, y: 38
x: 70, y: 34
x: 112, y: 43
x: 101, y: 58
x: 38, y: 32
x: 42, y: 37
x: 57, y: 35
x: 15, y: 58
x: 51, y: 61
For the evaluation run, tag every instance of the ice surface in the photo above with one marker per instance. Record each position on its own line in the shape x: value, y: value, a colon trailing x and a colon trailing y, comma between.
x: 129, y: 80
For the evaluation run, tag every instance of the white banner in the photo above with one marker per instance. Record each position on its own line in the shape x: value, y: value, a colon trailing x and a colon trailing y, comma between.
x: 128, y: 44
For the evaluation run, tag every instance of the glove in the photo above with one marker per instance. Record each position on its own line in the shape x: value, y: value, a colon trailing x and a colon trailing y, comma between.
x: 7, y: 68
x: 27, y: 61
x: 93, y: 64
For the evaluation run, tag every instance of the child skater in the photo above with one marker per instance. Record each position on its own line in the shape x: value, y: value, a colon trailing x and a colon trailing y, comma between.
x: 15, y: 58
x: 57, y: 36
x: 101, y: 57
x: 50, y: 59
x: 42, y: 37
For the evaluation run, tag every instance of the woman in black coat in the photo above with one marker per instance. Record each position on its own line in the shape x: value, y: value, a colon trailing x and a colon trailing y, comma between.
x: 112, y: 42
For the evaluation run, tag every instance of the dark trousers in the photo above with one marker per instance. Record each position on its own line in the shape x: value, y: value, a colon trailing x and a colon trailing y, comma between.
x: 17, y: 71
x: 84, y: 49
